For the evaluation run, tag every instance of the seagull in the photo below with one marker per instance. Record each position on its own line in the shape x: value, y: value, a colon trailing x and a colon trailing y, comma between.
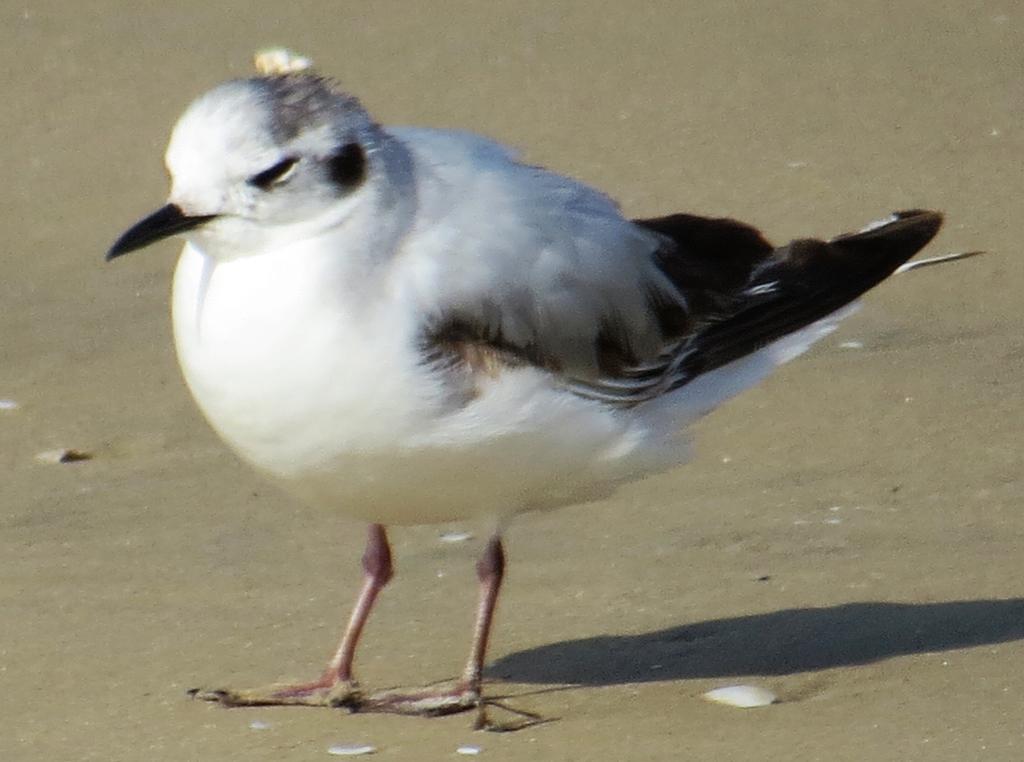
x: 412, y: 325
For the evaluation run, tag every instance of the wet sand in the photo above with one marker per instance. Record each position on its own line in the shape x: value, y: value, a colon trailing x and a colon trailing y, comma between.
x: 848, y: 534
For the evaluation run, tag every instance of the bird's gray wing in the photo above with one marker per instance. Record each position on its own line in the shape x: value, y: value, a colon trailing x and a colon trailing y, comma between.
x: 756, y: 295
x: 525, y: 267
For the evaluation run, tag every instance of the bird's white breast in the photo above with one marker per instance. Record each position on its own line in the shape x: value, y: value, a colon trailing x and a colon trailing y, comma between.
x: 282, y: 365
x: 323, y: 394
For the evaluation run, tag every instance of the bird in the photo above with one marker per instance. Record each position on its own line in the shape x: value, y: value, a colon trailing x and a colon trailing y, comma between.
x: 412, y: 325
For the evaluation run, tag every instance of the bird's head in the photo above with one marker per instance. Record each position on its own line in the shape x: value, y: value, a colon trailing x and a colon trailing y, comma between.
x: 256, y: 161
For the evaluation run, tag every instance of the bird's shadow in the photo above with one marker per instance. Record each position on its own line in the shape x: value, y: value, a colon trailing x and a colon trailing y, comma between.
x: 776, y: 643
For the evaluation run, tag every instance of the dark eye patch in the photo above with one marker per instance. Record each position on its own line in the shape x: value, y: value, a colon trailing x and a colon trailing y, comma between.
x: 347, y: 167
x: 265, y: 180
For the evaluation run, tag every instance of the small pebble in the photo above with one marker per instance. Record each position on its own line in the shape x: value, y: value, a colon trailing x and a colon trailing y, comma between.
x: 743, y: 696
x: 62, y: 455
x: 455, y: 536
x: 8, y: 405
x: 276, y: 61
x: 470, y: 751
x: 351, y: 750
x: 259, y: 725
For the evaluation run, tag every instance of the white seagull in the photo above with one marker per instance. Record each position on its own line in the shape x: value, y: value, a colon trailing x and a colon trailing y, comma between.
x: 411, y: 325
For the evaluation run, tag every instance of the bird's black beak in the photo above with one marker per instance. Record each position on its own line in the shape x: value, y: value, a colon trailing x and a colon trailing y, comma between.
x: 164, y: 222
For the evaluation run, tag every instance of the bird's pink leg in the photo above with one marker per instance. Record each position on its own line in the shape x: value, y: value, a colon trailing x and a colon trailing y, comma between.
x: 377, y: 572
x: 464, y: 693
x: 335, y: 687
x: 490, y: 571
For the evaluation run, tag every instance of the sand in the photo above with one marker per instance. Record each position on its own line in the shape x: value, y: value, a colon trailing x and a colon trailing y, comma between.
x: 848, y: 534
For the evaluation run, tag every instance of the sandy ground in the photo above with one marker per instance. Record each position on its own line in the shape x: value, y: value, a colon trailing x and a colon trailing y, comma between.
x: 848, y: 535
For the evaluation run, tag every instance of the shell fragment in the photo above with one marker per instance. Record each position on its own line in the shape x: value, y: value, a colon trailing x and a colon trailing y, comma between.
x: 742, y: 696
x: 351, y: 750
x: 62, y: 455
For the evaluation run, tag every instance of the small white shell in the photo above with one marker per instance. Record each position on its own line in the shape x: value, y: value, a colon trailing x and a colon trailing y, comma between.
x: 743, y: 696
x: 455, y: 536
x: 470, y: 751
x: 6, y: 404
x: 351, y: 750
x: 274, y: 61
x: 62, y: 455
x: 259, y: 725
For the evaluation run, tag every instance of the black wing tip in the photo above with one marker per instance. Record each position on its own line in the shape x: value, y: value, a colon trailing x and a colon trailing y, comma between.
x: 903, y: 233
x: 920, y: 226
x: 924, y: 222
x: 880, y: 248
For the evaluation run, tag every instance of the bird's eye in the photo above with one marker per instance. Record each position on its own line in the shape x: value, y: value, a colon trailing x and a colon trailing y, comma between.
x: 268, y: 178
